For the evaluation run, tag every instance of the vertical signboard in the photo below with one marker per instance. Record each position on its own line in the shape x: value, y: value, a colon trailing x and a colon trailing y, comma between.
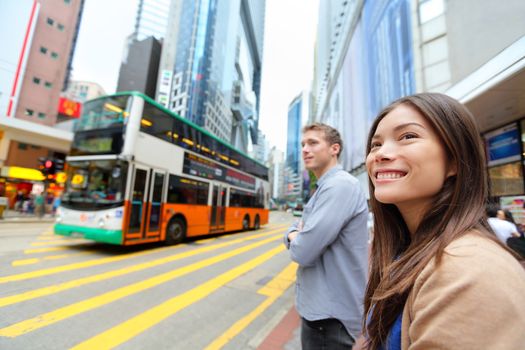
x: 163, y: 95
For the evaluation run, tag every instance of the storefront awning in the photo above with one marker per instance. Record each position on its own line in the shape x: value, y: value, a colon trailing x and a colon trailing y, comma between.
x: 494, y: 93
x: 15, y: 172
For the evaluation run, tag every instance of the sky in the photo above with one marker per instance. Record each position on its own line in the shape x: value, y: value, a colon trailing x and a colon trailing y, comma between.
x: 290, y: 27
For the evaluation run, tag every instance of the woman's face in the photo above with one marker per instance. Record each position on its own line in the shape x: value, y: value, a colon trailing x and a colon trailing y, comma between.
x: 501, y: 215
x: 407, y: 162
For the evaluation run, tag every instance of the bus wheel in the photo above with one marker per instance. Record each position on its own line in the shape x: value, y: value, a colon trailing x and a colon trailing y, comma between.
x: 176, y: 231
x: 246, y: 223
x: 256, y: 223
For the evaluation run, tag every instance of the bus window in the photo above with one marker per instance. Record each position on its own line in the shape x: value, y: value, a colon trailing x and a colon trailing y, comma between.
x: 95, y: 184
x: 103, y: 113
x: 187, y: 191
x: 157, y: 123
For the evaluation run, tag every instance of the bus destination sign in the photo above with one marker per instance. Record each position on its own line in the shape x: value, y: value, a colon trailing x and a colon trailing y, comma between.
x: 201, y: 167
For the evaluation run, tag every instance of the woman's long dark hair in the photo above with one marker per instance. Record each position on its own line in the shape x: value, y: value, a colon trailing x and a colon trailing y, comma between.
x: 397, y: 258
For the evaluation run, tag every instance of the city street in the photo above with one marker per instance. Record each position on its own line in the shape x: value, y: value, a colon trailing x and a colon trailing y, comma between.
x: 222, y: 292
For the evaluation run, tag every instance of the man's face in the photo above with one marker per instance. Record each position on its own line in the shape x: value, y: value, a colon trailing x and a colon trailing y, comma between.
x: 318, y: 154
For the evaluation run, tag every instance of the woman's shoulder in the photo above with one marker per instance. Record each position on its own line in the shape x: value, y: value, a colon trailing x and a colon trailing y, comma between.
x: 474, y: 258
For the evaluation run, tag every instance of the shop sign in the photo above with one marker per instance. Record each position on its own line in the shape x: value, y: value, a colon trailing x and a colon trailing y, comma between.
x: 15, y: 172
x: 69, y: 107
x: 503, y: 145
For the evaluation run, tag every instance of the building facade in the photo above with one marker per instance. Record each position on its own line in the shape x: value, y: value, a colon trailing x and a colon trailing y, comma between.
x: 211, y: 66
x: 139, y: 70
x: 151, y: 20
x: 39, y: 42
x: 293, y: 139
x: 82, y: 91
x: 372, y: 52
x: 49, y: 58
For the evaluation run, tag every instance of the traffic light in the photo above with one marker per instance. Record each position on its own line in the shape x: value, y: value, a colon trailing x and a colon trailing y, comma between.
x: 59, y: 165
x: 47, y: 166
x: 50, y: 166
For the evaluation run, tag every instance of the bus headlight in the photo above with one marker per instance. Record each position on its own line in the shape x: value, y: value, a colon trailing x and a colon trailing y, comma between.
x: 58, y: 219
x: 101, y: 222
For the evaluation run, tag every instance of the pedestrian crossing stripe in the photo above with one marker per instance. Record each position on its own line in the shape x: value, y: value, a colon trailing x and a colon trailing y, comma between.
x: 138, y: 324
x: 60, y: 314
x: 273, y: 290
x: 85, y: 264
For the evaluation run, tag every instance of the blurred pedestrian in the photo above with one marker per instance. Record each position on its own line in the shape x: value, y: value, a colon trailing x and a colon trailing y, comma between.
x: 502, y: 228
x: 439, y: 278
x: 507, y: 215
x: 330, y: 245
x: 39, y: 205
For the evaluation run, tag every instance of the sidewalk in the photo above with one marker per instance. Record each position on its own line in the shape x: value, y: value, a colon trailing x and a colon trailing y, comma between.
x: 287, y: 334
x: 11, y: 216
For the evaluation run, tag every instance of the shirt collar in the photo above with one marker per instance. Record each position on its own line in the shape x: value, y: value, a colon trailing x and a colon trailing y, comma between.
x: 329, y: 174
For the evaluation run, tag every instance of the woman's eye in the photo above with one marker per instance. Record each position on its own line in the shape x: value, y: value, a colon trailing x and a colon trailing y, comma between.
x: 408, y: 136
x: 375, y: 145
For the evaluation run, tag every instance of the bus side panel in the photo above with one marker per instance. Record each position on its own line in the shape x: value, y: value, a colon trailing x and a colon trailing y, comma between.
x: 235, y: 215
x: 265, y: 216
x: 197, y: 218
x: 233, y: 218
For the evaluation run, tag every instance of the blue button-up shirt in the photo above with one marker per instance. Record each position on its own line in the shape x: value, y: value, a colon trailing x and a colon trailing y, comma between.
x: 332, y: 251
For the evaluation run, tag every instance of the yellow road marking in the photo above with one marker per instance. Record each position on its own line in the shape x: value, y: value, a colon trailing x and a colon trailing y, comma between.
x: 25, y: 262
x: 81, y: 265
x: 49, y: 238
x: 138, y: 324
x: 36, y: 293
x: 273, y: 290
x: 49, y: 318
x: 57, y: 242
x: 43, y: 250
x: 50, y: 257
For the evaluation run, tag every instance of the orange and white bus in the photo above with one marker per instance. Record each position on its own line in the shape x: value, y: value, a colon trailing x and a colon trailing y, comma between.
x: 139, y: 173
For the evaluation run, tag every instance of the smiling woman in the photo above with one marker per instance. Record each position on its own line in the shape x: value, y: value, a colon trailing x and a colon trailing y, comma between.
x: 434, y: 258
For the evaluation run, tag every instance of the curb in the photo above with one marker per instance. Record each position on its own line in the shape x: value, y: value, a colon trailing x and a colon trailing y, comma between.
x: 22, y: 220
x: 286, y: 335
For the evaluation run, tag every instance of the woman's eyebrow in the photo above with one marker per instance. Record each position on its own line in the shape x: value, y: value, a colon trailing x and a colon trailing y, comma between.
x: 404, y: 125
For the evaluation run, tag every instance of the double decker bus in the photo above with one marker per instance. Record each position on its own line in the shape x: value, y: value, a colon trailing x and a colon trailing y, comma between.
x: 139, y: 173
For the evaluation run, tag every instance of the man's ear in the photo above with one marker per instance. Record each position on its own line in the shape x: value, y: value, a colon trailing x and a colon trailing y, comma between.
x: 336, y: 148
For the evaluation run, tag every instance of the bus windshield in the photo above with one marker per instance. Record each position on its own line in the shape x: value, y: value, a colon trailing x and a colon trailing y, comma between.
x: 95, y: 184
x: 104, y: 113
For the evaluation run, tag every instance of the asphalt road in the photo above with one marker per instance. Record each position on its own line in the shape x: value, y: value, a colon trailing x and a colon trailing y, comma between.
x: 222, y: 292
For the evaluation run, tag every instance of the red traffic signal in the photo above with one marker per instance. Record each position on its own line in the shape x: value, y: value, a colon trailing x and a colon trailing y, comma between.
x: 48, y: 164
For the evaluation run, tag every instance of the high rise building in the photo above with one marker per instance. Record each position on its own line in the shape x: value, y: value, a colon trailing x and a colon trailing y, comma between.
x: 82, y: 91
x: 211, y: 63
x: 49, y: 58
x: 141, y: 58
x: 139, y: 70
x: 298, y: 113
x: 293, y: 140
x: 260, y: 151
x: 151, y: 20
x: 38, y: 42
x: 371, y: 52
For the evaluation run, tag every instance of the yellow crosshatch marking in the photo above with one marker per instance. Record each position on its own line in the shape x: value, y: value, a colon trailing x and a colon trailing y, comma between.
x: 273, y: 290
x: 103, y: 299
x: 111, y: 274
x: 138, y: 324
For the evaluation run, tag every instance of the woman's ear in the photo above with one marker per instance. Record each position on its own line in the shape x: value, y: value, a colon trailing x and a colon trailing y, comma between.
x: 452, y: 169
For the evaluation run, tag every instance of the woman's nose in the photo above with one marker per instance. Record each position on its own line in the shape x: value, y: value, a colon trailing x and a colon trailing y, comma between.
x: 384, y: 152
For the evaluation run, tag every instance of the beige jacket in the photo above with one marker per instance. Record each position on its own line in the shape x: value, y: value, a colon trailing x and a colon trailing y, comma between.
x: 475, y: 299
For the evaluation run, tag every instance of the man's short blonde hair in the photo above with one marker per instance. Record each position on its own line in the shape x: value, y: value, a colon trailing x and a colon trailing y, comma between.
x: 331, y: 135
